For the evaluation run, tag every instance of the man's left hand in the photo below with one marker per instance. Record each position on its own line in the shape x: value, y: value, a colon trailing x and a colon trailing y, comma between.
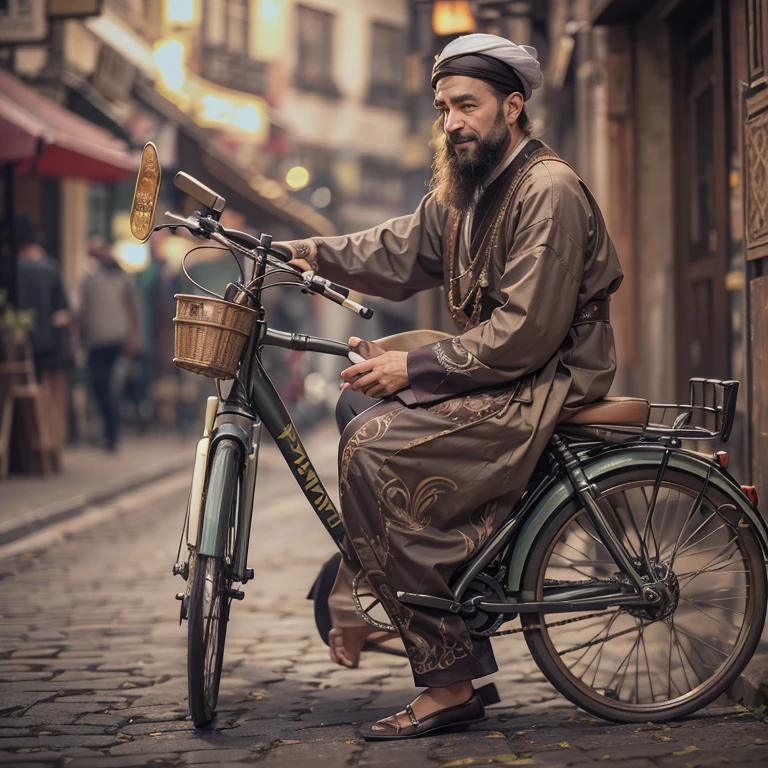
x: 380, y: 376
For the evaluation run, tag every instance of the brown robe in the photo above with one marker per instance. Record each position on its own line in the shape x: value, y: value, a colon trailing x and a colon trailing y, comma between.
x: 427, y: 476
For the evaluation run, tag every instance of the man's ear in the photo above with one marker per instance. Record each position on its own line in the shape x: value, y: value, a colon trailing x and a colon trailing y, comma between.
x: 514, y: 107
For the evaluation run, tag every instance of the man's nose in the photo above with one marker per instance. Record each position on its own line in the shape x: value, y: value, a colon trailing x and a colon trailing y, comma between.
x: 453, y: 122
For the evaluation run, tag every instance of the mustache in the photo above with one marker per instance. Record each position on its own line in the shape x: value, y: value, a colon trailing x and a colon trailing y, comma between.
x: 458, y: 138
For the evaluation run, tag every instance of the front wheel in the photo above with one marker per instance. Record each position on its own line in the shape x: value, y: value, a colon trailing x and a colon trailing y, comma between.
x: 653, y: 663
x: 209, y: 597
x: 207, y: 631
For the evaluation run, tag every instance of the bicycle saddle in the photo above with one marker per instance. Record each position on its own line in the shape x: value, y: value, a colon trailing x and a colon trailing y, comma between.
x: 629, y: 411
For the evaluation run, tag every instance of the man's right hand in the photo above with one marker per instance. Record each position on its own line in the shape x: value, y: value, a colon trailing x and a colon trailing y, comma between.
x: 303, y: 253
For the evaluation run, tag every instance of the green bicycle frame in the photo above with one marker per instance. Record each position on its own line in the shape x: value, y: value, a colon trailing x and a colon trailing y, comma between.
x: 252, y: 402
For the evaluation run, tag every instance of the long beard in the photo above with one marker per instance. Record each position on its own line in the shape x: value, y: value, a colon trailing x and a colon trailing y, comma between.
x: 456, y: 180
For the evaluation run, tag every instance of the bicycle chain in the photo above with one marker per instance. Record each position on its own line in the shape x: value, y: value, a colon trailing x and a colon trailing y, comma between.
x: 561, y: 583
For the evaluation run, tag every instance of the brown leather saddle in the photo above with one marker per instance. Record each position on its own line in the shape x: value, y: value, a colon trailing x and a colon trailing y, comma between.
x: 611, y: 411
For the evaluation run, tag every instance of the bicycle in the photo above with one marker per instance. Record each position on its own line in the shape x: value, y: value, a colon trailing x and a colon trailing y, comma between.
x: 637, y: 567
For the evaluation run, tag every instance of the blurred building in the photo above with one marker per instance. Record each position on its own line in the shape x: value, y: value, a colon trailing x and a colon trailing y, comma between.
x: 661, y: 107
x: 687, y: 103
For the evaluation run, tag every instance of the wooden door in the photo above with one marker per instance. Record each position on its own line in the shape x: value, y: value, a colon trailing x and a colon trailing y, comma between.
x: 756, y: 235
x: 701, y: 216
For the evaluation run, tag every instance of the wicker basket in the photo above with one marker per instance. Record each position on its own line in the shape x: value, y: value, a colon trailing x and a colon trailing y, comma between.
x: 210, y: 335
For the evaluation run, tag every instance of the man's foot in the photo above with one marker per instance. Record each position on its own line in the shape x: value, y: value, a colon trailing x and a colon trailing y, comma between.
x: 346, y: 643
x: 434, y: 710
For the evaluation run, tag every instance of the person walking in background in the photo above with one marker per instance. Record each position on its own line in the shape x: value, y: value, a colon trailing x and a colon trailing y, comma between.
x: 41, y: 291
x: 109, y: 328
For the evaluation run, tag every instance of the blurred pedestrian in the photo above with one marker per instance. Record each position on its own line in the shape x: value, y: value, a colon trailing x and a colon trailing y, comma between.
x: 41, y: 291
x: 109, y: 328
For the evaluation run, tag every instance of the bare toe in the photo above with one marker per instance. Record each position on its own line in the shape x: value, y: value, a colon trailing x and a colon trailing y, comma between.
x: 345, y: 646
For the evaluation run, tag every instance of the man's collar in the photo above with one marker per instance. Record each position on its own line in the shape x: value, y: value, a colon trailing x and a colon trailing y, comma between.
x: 501, y: 167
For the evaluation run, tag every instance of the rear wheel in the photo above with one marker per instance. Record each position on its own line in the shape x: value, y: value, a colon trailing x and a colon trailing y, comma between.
x: 209, y: 599
x: 650, y: 664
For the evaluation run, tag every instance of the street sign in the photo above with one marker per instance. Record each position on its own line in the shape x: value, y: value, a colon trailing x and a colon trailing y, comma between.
x: 23, y: 22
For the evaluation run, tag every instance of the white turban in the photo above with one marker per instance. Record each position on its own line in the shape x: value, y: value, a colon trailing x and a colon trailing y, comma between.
x: 523, y: 59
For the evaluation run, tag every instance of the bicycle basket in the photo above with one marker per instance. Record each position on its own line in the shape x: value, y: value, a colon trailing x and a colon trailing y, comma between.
x: 210, y: 335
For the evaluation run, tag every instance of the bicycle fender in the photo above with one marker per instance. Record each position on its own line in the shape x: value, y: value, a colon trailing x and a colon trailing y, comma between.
x: 609, y: 463
x: 215, y: 520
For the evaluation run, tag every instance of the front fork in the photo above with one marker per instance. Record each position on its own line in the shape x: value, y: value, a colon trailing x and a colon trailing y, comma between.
x: 194, y: 521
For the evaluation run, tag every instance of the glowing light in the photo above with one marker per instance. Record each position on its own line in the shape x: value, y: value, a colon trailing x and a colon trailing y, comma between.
x: 180, y: 11
x: 321, y: 197
x: 297, y: 178
x: 452, y: 17
x: 169, y: 58
x: 217, y: 108
x: 270, y: 10
x: 132, y: 257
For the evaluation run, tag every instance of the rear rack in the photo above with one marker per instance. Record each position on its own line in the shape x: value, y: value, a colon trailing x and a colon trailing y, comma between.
x: 708, y: 415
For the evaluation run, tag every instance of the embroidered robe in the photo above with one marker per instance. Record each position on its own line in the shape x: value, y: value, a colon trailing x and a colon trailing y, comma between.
x: 427, y: 476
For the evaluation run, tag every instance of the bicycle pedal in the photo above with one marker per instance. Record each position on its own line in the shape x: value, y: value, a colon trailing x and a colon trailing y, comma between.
x: 236, y: 594
x: 248, y: 575
x: 181, y: 569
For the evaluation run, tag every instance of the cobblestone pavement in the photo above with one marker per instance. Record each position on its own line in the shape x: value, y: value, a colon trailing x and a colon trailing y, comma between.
x: 93, y: 664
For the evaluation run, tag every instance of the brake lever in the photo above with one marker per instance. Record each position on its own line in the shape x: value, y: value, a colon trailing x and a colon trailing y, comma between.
x: 334, y: 292
x: 189, y: 222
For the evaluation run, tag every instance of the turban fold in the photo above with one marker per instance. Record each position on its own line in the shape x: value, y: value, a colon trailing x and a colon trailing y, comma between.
x: 494, y: 59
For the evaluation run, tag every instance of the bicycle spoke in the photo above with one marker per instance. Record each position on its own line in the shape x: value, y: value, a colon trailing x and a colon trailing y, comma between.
x: 570, y: 546
x: 595, y: 640
x: 625, y: 662
x: 698, y: 603
x: 682, y: 544
x: 698, y: 639
x: 647, y: 666
x: 680, y: 651
x: 591, y: 535
x: 651, y: 504
x: 712, y: 566
x: 691, y: 512
x: 703, y: 538
x: 701, y: 610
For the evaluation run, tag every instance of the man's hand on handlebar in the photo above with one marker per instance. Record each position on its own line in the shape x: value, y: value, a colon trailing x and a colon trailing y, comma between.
x: 303, y: 253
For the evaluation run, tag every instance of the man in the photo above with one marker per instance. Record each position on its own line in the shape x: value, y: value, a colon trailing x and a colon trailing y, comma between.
x: 41, y: 291
x: 426, y: 477
x: 109, y: 327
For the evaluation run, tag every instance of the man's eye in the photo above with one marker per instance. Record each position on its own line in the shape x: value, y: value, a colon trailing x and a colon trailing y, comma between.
x: 468, y: 106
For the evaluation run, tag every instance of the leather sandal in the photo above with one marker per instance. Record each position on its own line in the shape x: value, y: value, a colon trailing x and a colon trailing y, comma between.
x: 459, y: 716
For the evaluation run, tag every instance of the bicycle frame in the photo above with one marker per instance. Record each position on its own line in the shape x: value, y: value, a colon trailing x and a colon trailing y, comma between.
x: 252, y: 402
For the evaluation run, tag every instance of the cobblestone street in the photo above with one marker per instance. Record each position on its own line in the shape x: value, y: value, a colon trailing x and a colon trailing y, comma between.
x: 93, y: 662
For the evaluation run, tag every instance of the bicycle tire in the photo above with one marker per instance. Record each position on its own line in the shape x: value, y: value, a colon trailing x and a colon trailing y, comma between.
x: 608, y: 704
x: 209, y: 602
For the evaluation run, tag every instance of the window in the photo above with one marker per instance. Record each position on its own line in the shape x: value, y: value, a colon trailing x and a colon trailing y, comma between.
x: 224, y: 56
x: 225, y: 25
x: 314, y: 71
x: 387, y: 66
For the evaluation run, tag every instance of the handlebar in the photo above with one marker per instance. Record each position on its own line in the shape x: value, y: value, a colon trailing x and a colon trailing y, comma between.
x: 244, y: 243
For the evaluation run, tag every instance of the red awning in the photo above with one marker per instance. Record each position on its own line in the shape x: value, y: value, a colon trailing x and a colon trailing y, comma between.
x: 35, y: 128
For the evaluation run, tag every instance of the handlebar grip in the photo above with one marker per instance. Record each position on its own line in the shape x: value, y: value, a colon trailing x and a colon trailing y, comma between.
x: 280, y: 252
x: 365, y: 312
